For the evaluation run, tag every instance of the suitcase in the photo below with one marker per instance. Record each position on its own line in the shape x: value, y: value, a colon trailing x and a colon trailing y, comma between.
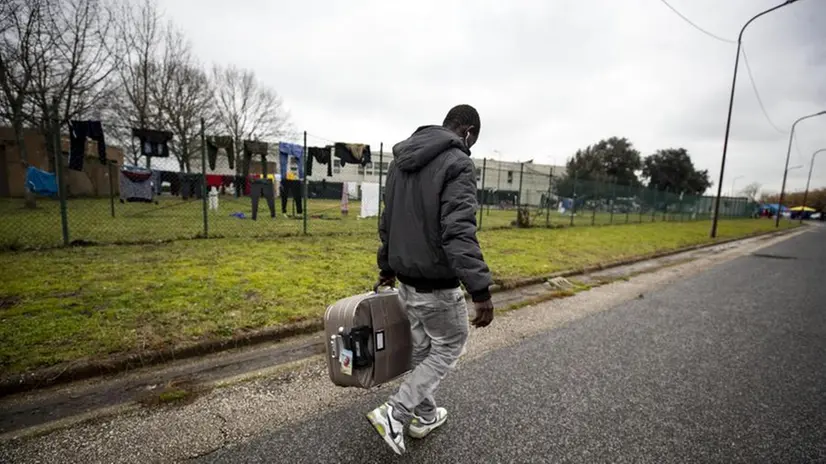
x: 368, y: 339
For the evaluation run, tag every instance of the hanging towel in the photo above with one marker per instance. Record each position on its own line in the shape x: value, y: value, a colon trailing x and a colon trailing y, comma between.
x: 369, y: 199
x: 41, y: 182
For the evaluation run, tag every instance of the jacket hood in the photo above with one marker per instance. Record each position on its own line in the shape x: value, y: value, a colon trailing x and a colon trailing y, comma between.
x: 424, y: 145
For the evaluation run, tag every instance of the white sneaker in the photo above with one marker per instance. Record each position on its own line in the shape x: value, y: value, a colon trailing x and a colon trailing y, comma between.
x: 388, y: 427
x: 419, y: 428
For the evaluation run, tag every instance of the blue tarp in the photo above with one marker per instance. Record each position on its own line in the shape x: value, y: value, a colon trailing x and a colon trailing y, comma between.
x: 41, y: 182
x: 773, y: 207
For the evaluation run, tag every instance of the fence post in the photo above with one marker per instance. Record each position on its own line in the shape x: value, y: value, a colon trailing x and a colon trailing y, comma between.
x: 654, y: 207
x: 110, y: 165
x: 642, y: 201
x: 573, y: 199
x: 61, y: 184
x: 682, y: 213
x: 484, y: 193
x: 485, y: 173
x: 596, y: 202
x: 304, y: 187
x: 381, y: 164
x: 627, y: 214
x: 548, y: 198
x: 519, y: 195
x: 613, y: 197
x: 203, y: 180
x: 665, y: 206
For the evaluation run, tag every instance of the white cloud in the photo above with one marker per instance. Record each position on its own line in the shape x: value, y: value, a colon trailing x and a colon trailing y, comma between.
x: 546, y: 77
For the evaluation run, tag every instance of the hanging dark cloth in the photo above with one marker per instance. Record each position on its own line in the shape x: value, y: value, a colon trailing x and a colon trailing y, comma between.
x: 353, y: 153
x: 191, y: 186
x: 252, y: 148
x: 322, y: 156
x: 262, y: 188
x: 291, y: 187
x: 174, y: 181
x: 156, y: 182
x: 78, y: 131
x: 216, y: 142
x: 153, y: 143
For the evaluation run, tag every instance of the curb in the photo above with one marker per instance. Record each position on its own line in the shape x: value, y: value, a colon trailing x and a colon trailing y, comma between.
x: 85, y: 370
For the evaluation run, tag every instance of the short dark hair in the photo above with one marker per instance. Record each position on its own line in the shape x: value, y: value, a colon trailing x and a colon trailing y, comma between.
x: 463, y: 115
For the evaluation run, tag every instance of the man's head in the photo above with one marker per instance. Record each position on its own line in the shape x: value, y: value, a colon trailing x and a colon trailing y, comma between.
x: 463, y: 120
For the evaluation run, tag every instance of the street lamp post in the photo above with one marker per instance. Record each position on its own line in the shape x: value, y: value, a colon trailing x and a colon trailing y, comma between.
x: 806, y: 193
x: 786, y: 168
x: 728, y: 120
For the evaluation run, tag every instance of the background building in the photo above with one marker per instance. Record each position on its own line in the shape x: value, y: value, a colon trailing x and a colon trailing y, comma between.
x: 92, y: 181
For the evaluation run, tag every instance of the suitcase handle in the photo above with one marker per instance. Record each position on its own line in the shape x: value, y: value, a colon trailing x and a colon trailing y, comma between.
x: 381, y: 284
x: 336, y: 343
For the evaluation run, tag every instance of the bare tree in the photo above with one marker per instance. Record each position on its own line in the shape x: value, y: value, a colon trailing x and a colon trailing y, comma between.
x: 184, y: 95
x: 139, y: 35
x: 246, y: 108
x: 22, y: 30
x: 752, y: 191
x: 72, y: 78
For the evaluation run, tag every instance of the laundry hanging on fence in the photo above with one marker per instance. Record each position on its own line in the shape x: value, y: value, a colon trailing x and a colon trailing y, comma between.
x: 242, y: 185
x: 154, y: 143
x: 156, y: 182
x: 288, y: 188
x: 253, y: 148
x: 353, y: 190
x: 78, y: 131
x: 214, y: 180
x: 322, y: 156
x: 285, y: 152
x: 345, y: 198
x: 262, y: 188
x: 136, y: 184
x: 41, y: 182
x: 191, y: 186
x: 353, y: 153
x: 369, y: 199
x: 174, y: 180
x: 214, y: 144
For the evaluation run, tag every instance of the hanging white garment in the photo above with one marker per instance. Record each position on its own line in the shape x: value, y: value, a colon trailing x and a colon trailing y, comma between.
x: 369, y: 199
x: 353, y: 190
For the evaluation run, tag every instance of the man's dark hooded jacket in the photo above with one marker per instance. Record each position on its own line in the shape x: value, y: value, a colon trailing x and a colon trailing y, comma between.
x: 428, y: 229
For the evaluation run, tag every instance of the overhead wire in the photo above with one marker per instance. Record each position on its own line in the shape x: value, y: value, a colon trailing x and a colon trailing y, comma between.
x: 757, y: 93
x: 693, y: 24
x: 745, y: 61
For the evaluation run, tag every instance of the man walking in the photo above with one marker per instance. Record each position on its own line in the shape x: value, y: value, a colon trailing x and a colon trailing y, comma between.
x: 428, y: 243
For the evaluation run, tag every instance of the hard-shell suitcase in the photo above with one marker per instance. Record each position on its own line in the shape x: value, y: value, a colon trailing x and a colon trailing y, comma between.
x: 368, y: 339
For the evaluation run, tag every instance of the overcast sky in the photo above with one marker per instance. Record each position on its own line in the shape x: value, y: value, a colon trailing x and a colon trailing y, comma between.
x: 547, y: 77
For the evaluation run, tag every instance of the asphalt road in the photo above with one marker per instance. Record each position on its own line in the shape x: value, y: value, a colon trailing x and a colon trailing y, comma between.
x: 727, y: 366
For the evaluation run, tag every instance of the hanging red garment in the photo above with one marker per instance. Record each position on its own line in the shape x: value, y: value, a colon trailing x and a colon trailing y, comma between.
x: 214, y: 181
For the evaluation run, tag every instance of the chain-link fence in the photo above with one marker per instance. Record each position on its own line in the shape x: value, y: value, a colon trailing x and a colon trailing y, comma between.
x: 110, y: 202
x: 544, y: 197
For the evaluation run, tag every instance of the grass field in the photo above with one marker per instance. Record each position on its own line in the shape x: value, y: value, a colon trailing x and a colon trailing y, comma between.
x: 91, y: 220
x: 66, y: 304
